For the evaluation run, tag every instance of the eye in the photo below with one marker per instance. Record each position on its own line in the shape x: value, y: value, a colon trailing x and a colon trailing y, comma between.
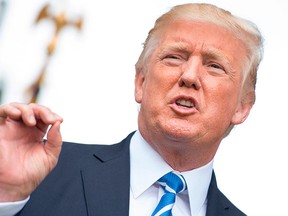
x: 215, y: 68
x: 172, y: 56
x: 173, y: 60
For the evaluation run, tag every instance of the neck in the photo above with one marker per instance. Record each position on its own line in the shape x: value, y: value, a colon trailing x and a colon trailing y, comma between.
x: 180, y: 154
x: 185, y: 159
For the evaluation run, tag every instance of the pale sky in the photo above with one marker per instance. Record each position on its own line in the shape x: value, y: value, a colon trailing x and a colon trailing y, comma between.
x: 90, y: 84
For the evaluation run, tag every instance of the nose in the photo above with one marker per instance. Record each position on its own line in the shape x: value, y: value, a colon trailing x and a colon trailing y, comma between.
x: 190, y: 76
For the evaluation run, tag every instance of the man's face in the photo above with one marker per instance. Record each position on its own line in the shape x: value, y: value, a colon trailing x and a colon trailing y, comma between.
x: 192, y: 87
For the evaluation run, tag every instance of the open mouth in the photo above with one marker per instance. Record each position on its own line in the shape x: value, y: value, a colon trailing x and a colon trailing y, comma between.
x: 185, y: 103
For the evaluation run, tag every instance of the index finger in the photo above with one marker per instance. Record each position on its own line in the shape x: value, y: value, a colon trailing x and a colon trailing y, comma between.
x: 44, y: 114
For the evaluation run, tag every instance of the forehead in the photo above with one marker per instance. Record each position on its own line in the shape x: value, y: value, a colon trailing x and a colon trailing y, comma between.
x: 204, y: 37
x: 193, y: 33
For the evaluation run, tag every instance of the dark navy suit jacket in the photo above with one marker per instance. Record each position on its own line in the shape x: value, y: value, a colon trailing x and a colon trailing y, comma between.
x: 94, y: 180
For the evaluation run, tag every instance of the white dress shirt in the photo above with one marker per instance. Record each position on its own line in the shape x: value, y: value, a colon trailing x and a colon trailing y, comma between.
x: 147, y: 167
x: 12, y: 208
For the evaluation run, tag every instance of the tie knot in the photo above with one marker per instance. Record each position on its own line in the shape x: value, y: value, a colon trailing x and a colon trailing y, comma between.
x: 173, y: 182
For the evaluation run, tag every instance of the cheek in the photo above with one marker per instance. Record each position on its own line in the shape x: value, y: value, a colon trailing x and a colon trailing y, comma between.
x: 160, y: 83
x: 155, y: 96
x: 223, y: 99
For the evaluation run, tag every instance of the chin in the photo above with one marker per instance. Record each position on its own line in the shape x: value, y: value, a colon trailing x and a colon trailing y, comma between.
x: 178, y: 132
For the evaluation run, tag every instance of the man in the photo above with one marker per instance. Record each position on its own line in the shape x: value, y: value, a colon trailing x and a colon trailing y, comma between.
x: 195, y: 80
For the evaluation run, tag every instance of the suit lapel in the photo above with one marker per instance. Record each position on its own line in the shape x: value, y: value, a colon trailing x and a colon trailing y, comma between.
x: 107, y: 181
x: 218, y: 204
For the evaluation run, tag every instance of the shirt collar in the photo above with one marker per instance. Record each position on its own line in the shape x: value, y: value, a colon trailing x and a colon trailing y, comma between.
x: 147, y: 166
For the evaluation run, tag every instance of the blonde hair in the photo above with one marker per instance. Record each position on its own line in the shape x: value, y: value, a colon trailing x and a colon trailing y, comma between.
x: 243, y: 29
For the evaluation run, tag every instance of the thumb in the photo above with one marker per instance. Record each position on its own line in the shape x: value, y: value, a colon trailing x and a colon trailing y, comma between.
x: 53, y: 144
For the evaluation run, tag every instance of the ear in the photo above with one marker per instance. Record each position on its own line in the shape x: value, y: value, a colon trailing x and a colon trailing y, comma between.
x: 139, y: 85
x: 243, y: 108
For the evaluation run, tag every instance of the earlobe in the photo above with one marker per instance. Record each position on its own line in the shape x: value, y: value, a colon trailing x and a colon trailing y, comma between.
x: 242, y: 112
x: 139, y: 82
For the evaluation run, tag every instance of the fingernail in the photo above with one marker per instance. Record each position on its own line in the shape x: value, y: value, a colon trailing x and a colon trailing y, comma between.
x: 31, y: 119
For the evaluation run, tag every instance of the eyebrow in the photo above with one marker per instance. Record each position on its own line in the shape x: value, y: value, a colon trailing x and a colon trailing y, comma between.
x: 217, y: 54
x: 178, y: 47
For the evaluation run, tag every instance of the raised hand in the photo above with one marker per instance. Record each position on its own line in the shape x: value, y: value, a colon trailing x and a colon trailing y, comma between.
x: 25, y: 160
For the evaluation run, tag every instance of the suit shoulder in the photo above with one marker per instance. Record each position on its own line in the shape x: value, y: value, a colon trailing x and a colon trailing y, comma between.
x: 78, y: 153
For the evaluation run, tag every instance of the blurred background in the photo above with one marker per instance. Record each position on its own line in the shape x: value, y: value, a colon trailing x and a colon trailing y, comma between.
x: 84, y: 71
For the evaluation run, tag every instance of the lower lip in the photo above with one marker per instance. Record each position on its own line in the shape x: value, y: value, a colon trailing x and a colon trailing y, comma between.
x: 181, y: 110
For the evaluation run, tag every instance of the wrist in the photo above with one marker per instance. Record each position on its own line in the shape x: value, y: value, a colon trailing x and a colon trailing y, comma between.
x: 12, y: 195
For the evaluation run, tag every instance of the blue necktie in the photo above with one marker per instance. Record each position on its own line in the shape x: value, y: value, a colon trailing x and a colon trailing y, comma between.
x: 172, y: 183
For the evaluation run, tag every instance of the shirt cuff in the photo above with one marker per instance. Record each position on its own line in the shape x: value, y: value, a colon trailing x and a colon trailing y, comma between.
x: 12, y: 208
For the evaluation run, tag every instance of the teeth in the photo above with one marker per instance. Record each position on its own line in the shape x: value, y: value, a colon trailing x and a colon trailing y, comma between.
x: 185, y: 103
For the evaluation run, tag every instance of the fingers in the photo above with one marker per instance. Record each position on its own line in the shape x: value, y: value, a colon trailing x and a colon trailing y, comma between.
x: 9, y: 111
x: 29, y: 114
x: 45, y: 114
